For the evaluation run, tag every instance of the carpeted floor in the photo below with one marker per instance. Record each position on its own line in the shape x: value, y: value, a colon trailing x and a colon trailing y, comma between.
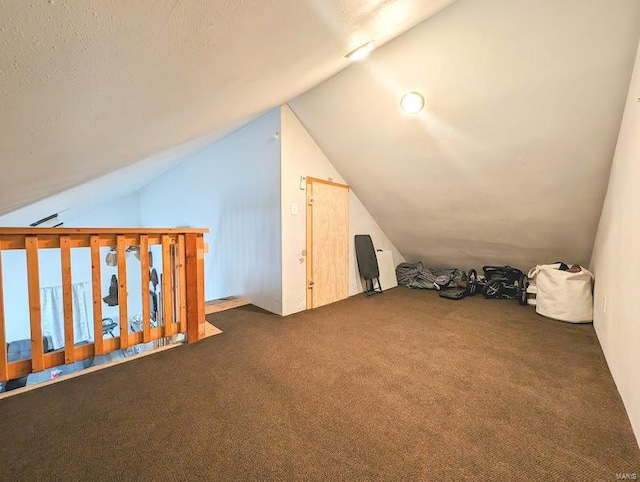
x: 402, y: 386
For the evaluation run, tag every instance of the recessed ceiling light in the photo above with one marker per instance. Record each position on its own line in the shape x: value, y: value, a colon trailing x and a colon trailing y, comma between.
x: 412, y: 103
x: 361, y: 52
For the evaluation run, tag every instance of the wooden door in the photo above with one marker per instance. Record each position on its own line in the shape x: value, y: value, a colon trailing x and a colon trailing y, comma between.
x: 327, y: 242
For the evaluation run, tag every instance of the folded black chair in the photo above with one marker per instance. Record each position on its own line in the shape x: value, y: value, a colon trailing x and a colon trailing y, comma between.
x: 368, y: 264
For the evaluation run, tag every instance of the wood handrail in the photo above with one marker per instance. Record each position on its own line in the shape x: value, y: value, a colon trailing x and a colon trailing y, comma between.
x: 63, y: 231
x: 181, y: 297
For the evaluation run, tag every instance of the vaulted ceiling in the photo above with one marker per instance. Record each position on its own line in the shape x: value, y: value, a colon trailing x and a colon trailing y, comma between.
x: 509, y: 161
x: 90, y: 87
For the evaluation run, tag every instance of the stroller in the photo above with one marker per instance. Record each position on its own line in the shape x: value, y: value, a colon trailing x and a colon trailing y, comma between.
x: 499, y: 282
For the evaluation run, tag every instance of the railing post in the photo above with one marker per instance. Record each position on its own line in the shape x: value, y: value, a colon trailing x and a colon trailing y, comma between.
x: 194, y: 245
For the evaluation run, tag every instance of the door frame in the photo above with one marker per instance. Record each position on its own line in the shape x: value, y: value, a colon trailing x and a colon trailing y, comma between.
x: 309, y: 221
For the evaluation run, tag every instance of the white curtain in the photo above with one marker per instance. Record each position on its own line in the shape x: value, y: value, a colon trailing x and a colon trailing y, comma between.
x: 53, y: 314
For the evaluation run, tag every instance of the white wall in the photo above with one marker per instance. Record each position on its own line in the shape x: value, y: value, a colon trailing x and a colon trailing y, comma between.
x: 616, y: 261
x: 301, y: 156
x: 232, y: 188
x: 122, y: 212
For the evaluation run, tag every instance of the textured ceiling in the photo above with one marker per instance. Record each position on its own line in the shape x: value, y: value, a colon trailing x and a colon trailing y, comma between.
x: 90, y: 87
x: 509, y: 162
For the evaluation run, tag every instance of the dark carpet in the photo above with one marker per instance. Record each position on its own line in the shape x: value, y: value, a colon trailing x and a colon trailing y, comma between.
x: 402, y: 386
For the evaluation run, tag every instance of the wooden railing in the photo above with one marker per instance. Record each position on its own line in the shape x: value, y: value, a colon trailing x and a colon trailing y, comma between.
x: 182, y: 290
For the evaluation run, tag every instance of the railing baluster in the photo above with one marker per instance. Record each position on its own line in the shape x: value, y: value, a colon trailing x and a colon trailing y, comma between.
x: 167, y: 293
x: 182, y: 283
x: 195, y: 285
x: 4, y: 376
x: 67, y: 302
x: 144, y: 263
x: 96, y: 286
x: 33, y: 277
x: 122, y: 291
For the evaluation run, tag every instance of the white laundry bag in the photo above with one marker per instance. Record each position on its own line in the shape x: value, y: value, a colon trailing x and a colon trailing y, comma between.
x: 563, y: 295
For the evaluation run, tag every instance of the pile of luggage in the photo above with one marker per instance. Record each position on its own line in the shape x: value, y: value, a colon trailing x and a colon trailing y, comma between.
x: 558, y: 291
x: 502, y: 282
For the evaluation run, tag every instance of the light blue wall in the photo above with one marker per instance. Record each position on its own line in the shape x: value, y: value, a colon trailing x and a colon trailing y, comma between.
x: 232, y: 188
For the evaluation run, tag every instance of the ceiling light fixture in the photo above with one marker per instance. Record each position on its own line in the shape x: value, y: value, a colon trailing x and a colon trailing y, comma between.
x: 361, y: 52
x: 412, y: 103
